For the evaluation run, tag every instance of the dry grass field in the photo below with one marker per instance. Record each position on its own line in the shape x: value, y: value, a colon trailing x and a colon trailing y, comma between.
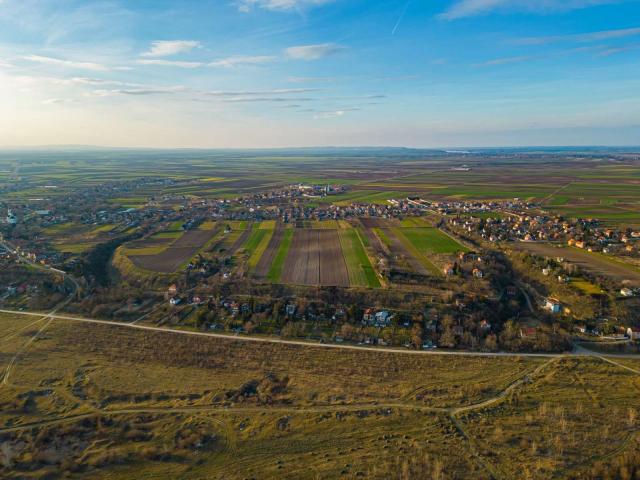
x: 597, y: 263
x: 111, y: 402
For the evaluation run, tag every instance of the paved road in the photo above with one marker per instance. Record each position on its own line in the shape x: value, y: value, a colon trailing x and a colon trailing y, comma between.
x: 242, y: 338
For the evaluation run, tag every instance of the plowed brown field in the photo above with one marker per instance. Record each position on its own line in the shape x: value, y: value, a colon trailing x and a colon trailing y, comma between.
x: 178, y: 253
x: 262, y: 269
x: 315, y: 258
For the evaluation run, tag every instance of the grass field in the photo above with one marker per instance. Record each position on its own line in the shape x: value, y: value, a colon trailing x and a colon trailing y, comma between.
x: 361, y: 273
x: 275, y: 272
x: 586, y: 287
x: 432, y: 240
x: 256, y: 245
x: 127, y: 403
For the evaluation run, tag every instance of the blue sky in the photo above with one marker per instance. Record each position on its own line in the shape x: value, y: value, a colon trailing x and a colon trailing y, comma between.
x: 263, y: 73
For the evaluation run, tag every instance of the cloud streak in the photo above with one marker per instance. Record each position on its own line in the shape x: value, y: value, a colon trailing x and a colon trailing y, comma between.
x: 470, y: 8
x: 242, y: 60
x: 580, y: 38
x: 96, y: 67
x: 166, y: 48
x: 279, y: 5
x: 313, y: 52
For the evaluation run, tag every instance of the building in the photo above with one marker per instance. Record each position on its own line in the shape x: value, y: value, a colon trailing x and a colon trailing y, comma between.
x: 552, y: 305
x: 633, y: 333
x: 368, y: 316
x: 172, y: 291
x: 528, y: 332
x: 11, y: 218
x: 626, y: 292
x: 382, y: 319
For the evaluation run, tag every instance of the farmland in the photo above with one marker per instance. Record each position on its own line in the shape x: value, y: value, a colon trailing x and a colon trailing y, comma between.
x: 179, y: 405
x: 594, y: 262
x: 314, y: 259
x: 321, y: 253
x: 165, y: 253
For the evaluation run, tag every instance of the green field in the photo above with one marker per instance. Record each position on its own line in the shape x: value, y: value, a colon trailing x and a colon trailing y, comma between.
x: 586, y: 287
x: 431, y: 240
x: 361, y: 273
x: 256, y: 245
x: 275, y: 271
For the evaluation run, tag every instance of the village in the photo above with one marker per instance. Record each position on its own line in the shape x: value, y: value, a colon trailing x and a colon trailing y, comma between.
x: 464, y: 320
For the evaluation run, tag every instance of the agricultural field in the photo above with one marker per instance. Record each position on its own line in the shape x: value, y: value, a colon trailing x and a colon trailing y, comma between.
x: 597, y: 263
x: 361, y: 273
x: 77, y: 238
x: 315, y: 258
x: 167, y: 251
x: 122, y: 402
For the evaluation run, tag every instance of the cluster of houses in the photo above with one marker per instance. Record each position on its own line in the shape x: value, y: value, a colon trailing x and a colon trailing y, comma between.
x: 587, y: 234
x: 381, y: 318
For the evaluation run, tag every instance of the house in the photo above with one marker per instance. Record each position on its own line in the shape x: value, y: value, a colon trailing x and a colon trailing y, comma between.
x: 478, y: 273
x: 552, y: 305
x: 448, y: 270
x: 626, y: 292
x: 580, y: 328
x: 196, y: 300
x: 172, y: 291
x: 633, y: 333
x: 383, y: 318
x: 173, y: 301
x: 528, y: 332
x: 368, y: 316
x: 290, y: 309
x: 485, y: 326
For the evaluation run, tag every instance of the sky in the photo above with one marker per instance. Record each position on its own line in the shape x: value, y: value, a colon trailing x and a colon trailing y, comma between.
x: 287, y: 73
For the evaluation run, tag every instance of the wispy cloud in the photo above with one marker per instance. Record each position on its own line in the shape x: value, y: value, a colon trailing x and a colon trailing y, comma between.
x: 277, y: 91
x: 166, y: 48
x: 314, y: 79
x: 96, y: 67
x: 609, y: 51
x: 580, y: 38
x: 138, y: 91
x: 242, y: 60
x: 334, y: 113
x: 251, y: 99
x: 278, y: 5
x: 505, y: 61
x: 313, y: 52
x: 469, y: 8
x: 58, y: 101
x: 171, y: 63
